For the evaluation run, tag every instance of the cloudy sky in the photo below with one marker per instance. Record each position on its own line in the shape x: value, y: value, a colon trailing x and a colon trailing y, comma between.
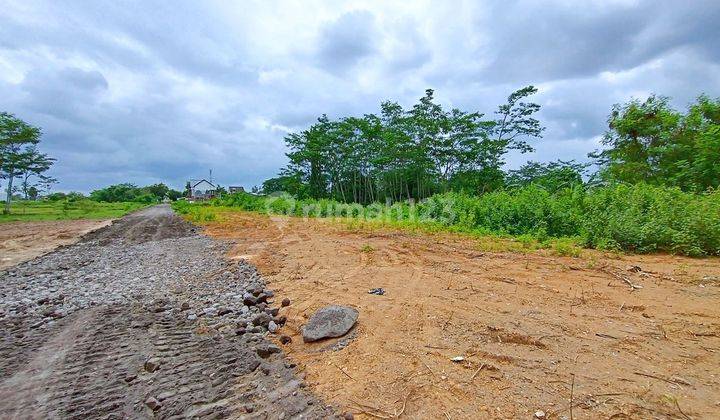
x: 153, y: 91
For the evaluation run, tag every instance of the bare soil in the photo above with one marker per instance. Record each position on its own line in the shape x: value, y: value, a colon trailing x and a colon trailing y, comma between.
x: 600, y: 336
x: 23, y: 241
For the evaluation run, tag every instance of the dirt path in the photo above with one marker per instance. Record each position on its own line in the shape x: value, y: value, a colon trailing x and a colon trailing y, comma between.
x: 139, y: 320
x: 534, y: 332
x: 23, y: 241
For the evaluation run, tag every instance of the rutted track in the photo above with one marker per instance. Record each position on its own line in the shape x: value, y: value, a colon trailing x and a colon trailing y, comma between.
x: 93, y: 362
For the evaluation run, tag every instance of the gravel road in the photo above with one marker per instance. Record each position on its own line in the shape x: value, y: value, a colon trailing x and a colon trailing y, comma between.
x: 144, y: 318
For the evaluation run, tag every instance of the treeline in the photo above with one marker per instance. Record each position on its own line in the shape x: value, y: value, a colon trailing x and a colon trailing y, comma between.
x: 415, y: 153
x: 402, y: 154
x: 131, y: 193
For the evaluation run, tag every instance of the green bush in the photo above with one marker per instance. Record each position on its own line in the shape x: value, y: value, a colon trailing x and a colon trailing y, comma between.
x: 638, y: 218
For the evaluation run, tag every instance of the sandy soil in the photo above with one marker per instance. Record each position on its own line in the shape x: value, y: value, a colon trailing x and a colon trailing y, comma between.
x: 568, y: 336
x: 23, y: 241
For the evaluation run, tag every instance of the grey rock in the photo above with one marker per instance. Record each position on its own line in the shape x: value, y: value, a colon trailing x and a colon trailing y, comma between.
x: 266, y: 349
x: 262, y: 319
x: 330, y: 321
x: 153, y: 403
x: 272, y: 326
x: 152, y: 364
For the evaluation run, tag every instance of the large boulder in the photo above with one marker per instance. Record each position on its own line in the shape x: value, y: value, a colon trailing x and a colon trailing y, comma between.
x: 330, y: 321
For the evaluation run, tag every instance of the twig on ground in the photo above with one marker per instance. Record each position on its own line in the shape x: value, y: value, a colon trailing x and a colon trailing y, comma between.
x: 343, y: 371
x: 476, y: 372
x: 402, y: 410
x: 674, y: 381
x: 627, y: 281
x: 677, y: 405
x: 572, y: 391
x: 448, y: 320
x: 436, y: 347
x: 365, y: 407
x: 428, y: 367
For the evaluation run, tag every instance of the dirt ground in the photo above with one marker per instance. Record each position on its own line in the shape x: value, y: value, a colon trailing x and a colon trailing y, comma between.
x: 23, y: 241
x: 531, y: 332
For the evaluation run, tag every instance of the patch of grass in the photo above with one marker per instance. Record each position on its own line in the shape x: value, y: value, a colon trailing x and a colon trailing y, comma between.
x: 67, y: 210
x: 565, y: 247
x: 367, y: 248
x: 202, y: 214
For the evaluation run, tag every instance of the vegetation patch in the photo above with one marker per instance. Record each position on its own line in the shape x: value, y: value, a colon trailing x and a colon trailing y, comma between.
x: 67, y: 210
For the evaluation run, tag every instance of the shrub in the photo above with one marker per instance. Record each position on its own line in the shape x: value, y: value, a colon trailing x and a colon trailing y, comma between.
x: 638, y: 218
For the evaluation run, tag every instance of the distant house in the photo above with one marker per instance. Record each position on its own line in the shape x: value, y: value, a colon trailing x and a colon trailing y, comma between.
x: 201, y: 190
x: 232, y: 190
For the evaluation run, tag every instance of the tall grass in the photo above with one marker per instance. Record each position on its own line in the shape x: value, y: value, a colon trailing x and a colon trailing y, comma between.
x: 638, y: 218
x: 68, y: 209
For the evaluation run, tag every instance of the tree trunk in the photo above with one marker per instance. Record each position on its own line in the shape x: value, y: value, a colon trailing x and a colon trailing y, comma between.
x: 9, y: 194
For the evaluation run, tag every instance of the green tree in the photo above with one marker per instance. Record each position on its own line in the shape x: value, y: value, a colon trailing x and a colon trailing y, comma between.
x: 649, y: 141
x: 18, y: 152
x: 37, y: 163
x: 552, y: 176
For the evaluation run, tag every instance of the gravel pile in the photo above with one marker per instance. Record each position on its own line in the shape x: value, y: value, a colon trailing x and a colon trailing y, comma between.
x: 148, y: 319
x: 187, y: 276
x: 87, y: 274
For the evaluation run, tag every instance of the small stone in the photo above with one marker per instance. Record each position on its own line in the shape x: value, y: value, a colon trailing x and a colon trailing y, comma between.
x: 130, y: 378
x: 224, y: 311
x: 280, y: 320
x: 272, y: 326
x: 185, y: 306
x: 348, y: 416
x: 249, y: 408
x: 240, y: 331
x: 262, y: 319
x: 265, y: 350
x: 191, y: 317
x: 539, y: 414
x: 285, y: 339
x: 269, y: 293
x: 285, y: 302
x: 153, y: 403
x: 273, y: 311
x: 249, y: 300
x: 152, y: 364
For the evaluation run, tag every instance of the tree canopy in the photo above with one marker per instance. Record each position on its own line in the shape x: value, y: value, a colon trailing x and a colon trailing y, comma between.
x: 19, y: 155
x: 406, y: 153
x: 649, y: 141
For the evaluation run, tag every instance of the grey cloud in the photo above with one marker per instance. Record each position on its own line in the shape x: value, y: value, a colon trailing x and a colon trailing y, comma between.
x: 347, y: 40
x: 149, y: 93
x: 530, y: 40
